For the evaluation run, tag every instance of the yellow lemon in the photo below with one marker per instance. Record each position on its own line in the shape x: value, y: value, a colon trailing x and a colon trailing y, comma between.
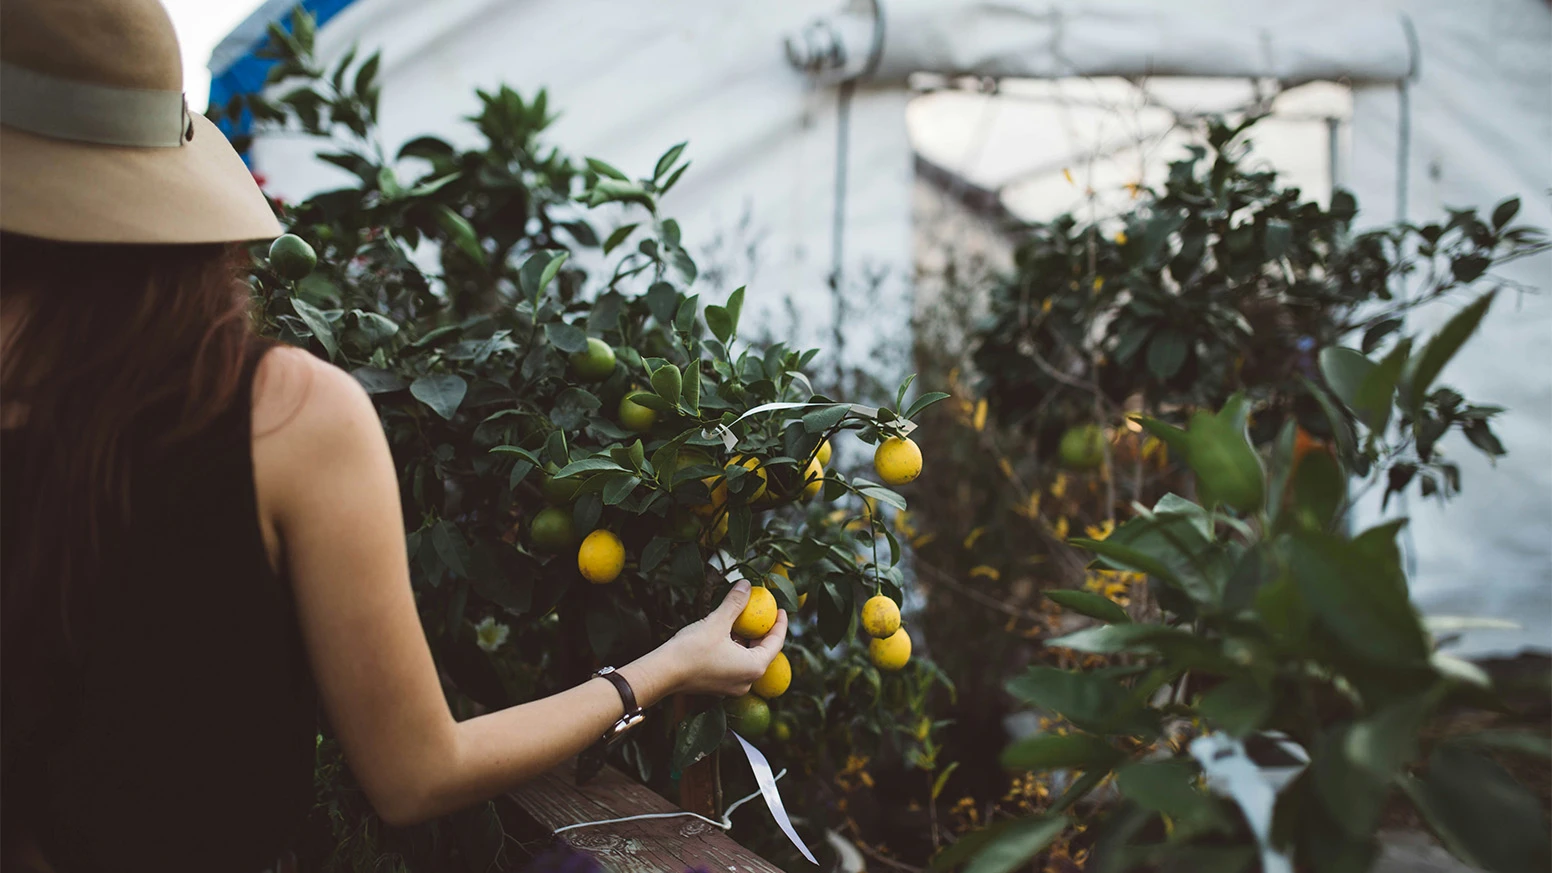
x: 749, y: 464
x: 778, y: 676
x: 781, y: 731
x: 823, y: 455
x: 891, y: 653
x: 601, y: 557
x: 780, y: 569
x: 716, y: 532
x: 814, y: 477
x: 759, y: 615
x: 897, y: 461
x: 880, y: 616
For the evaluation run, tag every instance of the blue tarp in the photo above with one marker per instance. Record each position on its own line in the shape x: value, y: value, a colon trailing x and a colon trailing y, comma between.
x: 236, y: 68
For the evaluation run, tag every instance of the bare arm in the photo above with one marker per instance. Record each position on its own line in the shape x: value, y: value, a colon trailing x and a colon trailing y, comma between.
x: 327, y: 484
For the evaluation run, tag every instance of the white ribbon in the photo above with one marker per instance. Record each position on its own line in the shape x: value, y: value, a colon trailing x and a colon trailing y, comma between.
x: 767, y: 782
x: 1231, y: 772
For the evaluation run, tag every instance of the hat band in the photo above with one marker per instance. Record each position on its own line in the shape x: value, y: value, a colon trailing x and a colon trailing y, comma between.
x: 85, y: 112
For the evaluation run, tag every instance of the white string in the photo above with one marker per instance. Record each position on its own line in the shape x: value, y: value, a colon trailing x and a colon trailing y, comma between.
x: 725, y: 824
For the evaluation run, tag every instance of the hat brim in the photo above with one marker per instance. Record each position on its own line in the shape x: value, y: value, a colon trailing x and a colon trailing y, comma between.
x: 199, y: 192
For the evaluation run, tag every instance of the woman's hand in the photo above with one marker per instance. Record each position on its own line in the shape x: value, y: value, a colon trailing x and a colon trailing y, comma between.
x: 709, y: 660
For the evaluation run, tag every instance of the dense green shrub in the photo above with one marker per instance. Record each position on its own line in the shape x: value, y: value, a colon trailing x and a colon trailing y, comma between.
x: 1277, y: 625
x: 444, y: 284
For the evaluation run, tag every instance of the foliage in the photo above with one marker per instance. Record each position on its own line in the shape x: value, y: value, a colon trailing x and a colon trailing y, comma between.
x: 447, y: 284
x: 1223, y: 288
x: 1276, y: 623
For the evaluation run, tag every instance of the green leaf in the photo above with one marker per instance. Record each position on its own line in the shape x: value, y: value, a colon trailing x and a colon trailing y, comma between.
x: 735, y: 305
x: 1353, y: 597
x: 668, y: 382
x: 1442, y: 347
x: 1090, y: 604
x: 1178, y: 440
x: 1043, y: 752
x: 451, y: 548
x: 552, y: 269
x: 1115, y: 638
x: 1016, y: 844
x: 619, y: 488
x: 666, y: 162
x: 684, y: 319
x: 697, y: 736
x: 589, y: 465
x: 1124, y: 557
x: 567, y: 337
x: 318, y: 323
x: 692, y: 387
x: 620, y: 235
x: 604, y: 169
x: 1517, y: 742
x: 1224, y: 462
x: 1166, y: 353
x: 1345, y: 371
x: 1166, y: 786
x: 1341, y: 428
x: 377, y: 381
x: 1504, y: 212
x: 1317, y: 490
x: 1237, y: 706
x: 1091, y: 701
x: 720, y: 322
x: 923, y: 402
x: 1375, y: 397
x: 821, y: 420
x: 1484, y: 816
x: 459, y: 231
x: 653, y: 555
x: 443, y: 392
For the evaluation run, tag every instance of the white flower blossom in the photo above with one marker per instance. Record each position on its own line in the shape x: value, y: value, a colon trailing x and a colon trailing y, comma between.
x: 491, y: 634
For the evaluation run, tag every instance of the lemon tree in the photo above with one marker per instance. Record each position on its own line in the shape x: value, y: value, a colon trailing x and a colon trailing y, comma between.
x: 588, y: 459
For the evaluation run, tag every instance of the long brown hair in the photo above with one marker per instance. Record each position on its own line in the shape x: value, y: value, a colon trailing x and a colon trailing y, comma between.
x: 113, y: 353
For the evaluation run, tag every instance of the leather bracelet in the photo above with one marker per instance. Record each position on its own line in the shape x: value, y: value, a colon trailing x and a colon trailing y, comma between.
x: 633, y: 714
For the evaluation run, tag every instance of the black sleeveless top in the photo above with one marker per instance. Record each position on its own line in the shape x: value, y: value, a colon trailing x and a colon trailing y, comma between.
x: 182, y: 736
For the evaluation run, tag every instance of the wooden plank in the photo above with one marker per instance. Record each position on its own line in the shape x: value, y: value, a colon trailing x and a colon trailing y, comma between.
x: 663, y: 845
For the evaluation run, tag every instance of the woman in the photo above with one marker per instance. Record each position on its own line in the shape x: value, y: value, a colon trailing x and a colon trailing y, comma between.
x: 199, y: 530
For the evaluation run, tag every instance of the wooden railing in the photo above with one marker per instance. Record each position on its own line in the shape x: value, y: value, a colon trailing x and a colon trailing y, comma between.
x: 660, y: 845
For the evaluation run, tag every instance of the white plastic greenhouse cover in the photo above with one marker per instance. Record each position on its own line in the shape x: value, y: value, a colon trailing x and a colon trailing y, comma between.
x: 631, y: 79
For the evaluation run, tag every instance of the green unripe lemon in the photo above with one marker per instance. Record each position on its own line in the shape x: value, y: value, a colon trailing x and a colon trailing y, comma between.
x: 559, y: 492
x: 291, y: 257
x: 552, y: 530
x: 749, y: 715
x: 594, y: 363
x: 1083, y: 447
x: 634, y: 416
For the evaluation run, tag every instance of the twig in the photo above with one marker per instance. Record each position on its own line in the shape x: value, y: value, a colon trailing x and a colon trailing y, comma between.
x: 982, y: 599
x: 865, y: 849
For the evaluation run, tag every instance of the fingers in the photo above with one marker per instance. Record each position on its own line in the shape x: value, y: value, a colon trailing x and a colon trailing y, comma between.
x: 772, y: 642
x: 733, y: 603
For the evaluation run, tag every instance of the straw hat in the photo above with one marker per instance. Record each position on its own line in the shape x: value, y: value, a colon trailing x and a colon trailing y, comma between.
x: 97, y: 143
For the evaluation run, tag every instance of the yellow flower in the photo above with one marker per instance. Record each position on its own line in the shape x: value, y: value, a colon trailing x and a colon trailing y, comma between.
x: 988, y: 572
x: 923, y: 540
x: 1099, y: 282
x: 1005, y: 467
x: 1059, y: 486
x: 1101, y: 530
x: 973, y: 536
x: 1045, y: 305
x: 1061, y: 528
x: 1067, y: 174
x: 980, y: 415
x: 1120, y: 238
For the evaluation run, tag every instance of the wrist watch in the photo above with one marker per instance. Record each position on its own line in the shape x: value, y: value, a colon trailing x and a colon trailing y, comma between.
x: 633, y: 714
x: 591, y: 761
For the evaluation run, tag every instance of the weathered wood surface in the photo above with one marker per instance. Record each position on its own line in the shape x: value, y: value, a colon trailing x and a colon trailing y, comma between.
x: 663, y: 845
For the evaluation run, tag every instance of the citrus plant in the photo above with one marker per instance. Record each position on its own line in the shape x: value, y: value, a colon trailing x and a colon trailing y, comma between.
x: 587, y: 458
x: 1288, y: 697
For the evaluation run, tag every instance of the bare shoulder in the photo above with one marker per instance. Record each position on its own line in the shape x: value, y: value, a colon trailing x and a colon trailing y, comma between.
x: 299, y: 397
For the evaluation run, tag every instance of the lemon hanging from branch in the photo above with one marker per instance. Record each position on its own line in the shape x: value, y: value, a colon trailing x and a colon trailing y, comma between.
x: 898, y: 460
x: 601, y: 557
x: 880, y: 616
x: 759, y: 614
x: 892, y: 652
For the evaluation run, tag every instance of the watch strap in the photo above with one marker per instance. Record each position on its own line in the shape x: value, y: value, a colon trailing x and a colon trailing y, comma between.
x: 627, y: 694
